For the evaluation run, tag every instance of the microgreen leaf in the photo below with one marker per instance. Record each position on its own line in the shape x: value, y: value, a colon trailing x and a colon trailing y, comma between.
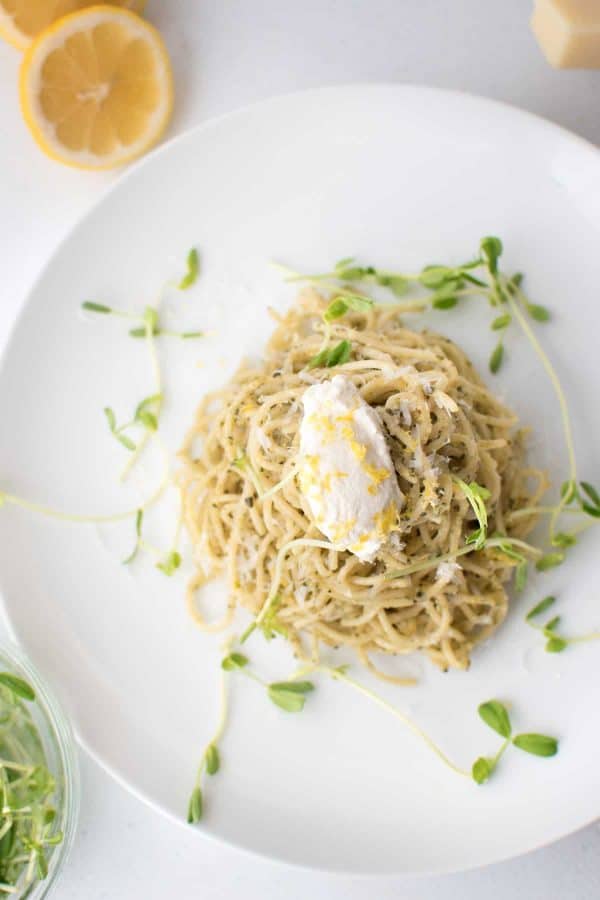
x: 551, y: 625
x: 195, y: 807
x: 234, y: 661
x: 568, y: 491
x: 540, y: 607
x: 147, y: 403
x: 444, y: 302
x: 148, y: 419
x: 112, y: 424
x: 482, y: 769
x: 556, y: 645
x: 141, y: 332
x: 332, y: 356
x: 357, y: 303
x: 501, y: 322
x: 521, y: 573
x: 96, y: 307
x: 171, y: 563
x: 343, y: 263
x: 549, y: 561
x: 17, y: 686
x: 289, y: 695
x: 396, y: 283
x: 190, y: 335
x: 193, y: 269
x: 127, y: 442
x: 151, y: 319
x: 564, y: 539
x: 336, y: 309
x: 491, y: 248
x: 495, y: 715
x: 593, y: 511
x: 339, y: 355
x: 496, y: 358
x: 435, y: 276
x: 539, y: 313
x: 110, y: 418
x: 213, y: 761
x: 591, y: 491
x: 476, y: 495
x: 538, y: 744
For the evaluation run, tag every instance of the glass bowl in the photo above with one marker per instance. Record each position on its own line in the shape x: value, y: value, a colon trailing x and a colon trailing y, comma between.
x: 62, y: 761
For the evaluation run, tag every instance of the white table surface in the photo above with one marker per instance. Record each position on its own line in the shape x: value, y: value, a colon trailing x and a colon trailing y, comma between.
x: 228, y: 53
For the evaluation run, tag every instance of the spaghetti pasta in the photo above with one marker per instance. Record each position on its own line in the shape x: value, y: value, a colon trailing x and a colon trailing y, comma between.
x: 252, y: 523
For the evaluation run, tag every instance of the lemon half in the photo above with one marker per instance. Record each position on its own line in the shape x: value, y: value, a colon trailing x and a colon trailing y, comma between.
x: 97, y: 88
x: 22, y: 20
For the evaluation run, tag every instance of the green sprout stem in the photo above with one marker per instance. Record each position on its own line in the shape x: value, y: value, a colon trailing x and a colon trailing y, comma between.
x: 339, y: 674
x: 490, y: 543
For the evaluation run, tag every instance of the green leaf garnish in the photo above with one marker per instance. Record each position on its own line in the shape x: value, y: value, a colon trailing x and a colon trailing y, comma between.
x: 147, y: 411
x: 539, y: 313
x: 332, y: 356
x: 234, y: 661
x: 195, y: 807
x: 538, y: 744
x: 549, y: 561
x: 193, y: 269
x: 551, y: 625
x: 540, y: 607
x: 17, y: 686
x: 521, y: 573
x: 444, y: 301
x: 117, y: 432
x: 435, y: 276
x: 482, y: 769
x: 142, y: 332
x: 476, y: 494
x: 170, y: 564
x: 96, y: 307
x: 290, y: 695
x: 496, y: 358
x: 269, y: 625
x: 151, y: 319
x: 396, y: 283
x: 564, y: 539
x: 336, y: 309
x: 501, y: 322
x: 213, y: 761
x: 591, y: 491
x: 568, y: 491
x: 556, y: 644
x: 593, y: 511
x: 495, y: 715
x: 491, y: 248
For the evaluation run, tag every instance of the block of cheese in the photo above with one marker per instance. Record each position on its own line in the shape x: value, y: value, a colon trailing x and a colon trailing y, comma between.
x: 568, y: 31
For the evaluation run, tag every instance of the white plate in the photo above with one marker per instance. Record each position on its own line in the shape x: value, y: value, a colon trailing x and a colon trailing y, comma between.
x: 401, y: 176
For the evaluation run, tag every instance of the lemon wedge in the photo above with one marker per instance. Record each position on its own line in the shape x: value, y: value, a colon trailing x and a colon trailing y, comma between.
x: 96, y: 88
x: 22, y: 20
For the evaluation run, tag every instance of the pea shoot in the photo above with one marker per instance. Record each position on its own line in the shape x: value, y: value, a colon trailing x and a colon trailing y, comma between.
x: 496, y: 716
x: 28, y: 818
x: 555, y: 642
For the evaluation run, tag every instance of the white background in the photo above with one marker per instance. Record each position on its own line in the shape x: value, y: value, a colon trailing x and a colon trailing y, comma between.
x: 227, y: 53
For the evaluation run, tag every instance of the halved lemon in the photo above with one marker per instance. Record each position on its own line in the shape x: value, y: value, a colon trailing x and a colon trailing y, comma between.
x: 97, y: 88
x: 22, y: 20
